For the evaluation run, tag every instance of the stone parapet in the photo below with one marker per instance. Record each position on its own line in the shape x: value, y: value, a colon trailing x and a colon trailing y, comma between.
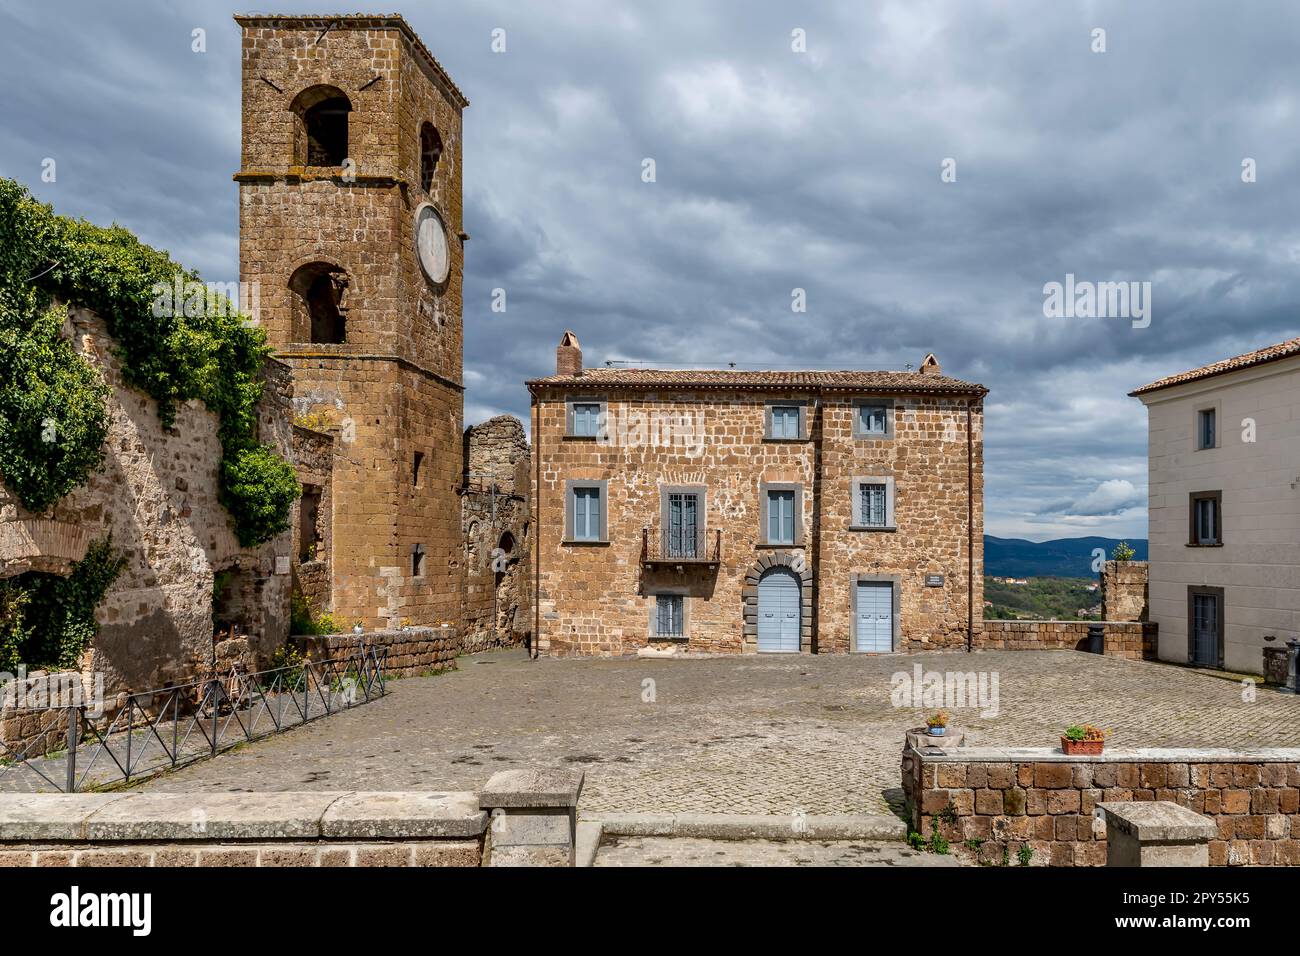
x: 990, y: 802
x: 411, y: 650
x: 318, y: 828
x: 1130, y: 640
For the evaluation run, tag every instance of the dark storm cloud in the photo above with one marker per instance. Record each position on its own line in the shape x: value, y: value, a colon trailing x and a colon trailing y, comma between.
x: 779, y: 170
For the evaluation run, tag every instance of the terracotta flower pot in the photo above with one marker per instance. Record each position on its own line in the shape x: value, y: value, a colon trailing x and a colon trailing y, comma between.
x: 1091, y: 748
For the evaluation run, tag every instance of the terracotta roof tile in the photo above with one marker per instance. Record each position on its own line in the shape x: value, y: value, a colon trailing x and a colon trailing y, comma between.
x: 1269, y: 353
x: 862, y: 381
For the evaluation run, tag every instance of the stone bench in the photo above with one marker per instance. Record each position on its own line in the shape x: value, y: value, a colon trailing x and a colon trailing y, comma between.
x: 1156, y: 833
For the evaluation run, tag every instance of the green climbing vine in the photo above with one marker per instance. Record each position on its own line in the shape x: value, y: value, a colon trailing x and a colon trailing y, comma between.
x: 46, y: 620
x: 52, y: 401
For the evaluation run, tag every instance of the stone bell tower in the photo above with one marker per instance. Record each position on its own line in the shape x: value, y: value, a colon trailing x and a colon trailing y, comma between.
x: 350, y: 224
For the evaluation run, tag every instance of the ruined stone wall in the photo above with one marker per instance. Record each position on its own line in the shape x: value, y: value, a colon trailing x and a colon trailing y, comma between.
x: 313, y: 540
x: 156, y: 494
x: 596, y: 599
x: 1124, y: 590
x: 495, y: 515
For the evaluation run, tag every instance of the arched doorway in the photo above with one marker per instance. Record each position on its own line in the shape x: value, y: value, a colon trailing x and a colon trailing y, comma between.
x: 779, y: 616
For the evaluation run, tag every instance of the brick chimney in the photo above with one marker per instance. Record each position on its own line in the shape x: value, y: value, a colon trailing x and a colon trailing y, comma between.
x: 568, y: 357
x: 930, y: 365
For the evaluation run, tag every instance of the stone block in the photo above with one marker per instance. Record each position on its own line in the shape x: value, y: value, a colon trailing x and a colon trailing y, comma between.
x: 532, y: 788
x: 404, y: 815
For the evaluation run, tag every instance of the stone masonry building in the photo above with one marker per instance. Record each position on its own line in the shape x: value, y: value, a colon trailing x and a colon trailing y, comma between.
x: 743, y: 511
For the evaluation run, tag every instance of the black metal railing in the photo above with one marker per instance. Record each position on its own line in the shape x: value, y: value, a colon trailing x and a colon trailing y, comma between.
x: 681, y: 547
x: 169, y: 727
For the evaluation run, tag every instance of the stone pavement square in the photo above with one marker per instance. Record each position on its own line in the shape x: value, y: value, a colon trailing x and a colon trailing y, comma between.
x: 753, y: 734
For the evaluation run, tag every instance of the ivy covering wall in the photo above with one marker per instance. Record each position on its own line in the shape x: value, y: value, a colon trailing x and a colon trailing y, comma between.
x: 46, y: 620
x: 53, y: 418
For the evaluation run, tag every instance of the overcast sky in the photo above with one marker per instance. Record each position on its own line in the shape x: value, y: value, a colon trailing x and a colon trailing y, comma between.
x: 778, y: 169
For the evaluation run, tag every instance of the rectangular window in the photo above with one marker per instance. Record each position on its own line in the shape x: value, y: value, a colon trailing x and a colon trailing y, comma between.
x: 873, y: 502
x: 417, y: 464
x: 872, y: 508
x: 784, y: 421
x: 586, y: 419
x: 1206, y: 518
x: 670, y: 615
x: 780, y: 517
x: 1205, y: 435
x: 586, y: 514
x: 872, y: 420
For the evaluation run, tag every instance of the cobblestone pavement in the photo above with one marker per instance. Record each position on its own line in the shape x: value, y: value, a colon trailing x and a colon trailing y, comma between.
x: 690, y: 851
x: 769, y: 734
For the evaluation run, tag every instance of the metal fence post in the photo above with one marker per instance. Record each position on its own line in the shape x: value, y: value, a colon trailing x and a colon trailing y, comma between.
x: 74, y: 721
x: 212, y: 690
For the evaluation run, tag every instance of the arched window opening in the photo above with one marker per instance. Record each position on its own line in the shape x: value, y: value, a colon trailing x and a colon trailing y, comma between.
x: 321, y: 301
x: 322, y: 135
x: 430, y: 151
x: 507, y: 543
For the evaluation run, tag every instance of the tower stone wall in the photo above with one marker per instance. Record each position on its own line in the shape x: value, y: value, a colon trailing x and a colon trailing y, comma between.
x: 390, y: 385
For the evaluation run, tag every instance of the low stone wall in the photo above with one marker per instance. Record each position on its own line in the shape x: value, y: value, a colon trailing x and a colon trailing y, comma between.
x: 989, y: 802
x: 34, y: 710
x: 412, y: 650
x: 1132, y: 640
x: 318, y: 828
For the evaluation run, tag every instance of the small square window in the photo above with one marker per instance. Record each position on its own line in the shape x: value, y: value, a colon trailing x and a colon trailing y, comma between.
x: 586, y: 419
x: 872, y: 510
x: 670, y: 615
x: 873, y: 420
x: 1205, y: 429
x: 784, y: 421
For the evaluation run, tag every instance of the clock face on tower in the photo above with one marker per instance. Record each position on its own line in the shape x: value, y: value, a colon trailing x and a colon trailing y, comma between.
x: 431, y: 244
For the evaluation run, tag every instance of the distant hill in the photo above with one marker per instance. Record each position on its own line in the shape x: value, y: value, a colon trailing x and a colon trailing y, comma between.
x: 1062, y: 558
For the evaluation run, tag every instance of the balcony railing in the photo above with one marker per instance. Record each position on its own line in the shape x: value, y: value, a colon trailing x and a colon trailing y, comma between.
x: 659, y: 547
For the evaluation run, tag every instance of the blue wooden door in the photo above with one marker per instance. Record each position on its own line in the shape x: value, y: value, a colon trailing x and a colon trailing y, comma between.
x: 779, y: 612
x: 874, y: 617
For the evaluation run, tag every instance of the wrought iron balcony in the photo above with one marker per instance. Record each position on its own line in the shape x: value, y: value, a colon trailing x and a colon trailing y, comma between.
x: 659, y: 547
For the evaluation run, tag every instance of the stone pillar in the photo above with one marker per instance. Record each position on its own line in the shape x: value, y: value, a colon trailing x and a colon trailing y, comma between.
x: 1155, y: 833
x: 534, y: 816
x: 1124, y: 591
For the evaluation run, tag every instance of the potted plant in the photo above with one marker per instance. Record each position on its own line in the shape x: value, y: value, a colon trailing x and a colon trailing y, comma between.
x: 1083, y: 739
x: 937, y: 723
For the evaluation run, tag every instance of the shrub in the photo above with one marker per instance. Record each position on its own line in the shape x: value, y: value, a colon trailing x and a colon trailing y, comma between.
x: 1124, y: 552
x: 1084, y: 732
